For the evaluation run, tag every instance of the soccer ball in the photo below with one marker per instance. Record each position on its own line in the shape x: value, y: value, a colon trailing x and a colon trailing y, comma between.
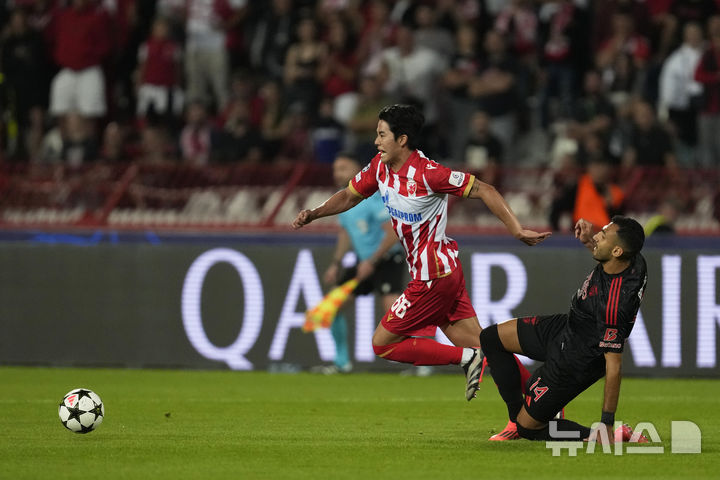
x: 81, y: 410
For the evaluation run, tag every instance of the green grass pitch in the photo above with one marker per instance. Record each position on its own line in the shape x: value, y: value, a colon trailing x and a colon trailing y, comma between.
x: 216, y: 425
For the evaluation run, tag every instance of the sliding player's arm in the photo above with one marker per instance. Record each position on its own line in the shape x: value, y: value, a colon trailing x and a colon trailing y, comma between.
x: 343, y: 200
x: 499, y: 207
x: 613, y: 376
x: 624, y: 301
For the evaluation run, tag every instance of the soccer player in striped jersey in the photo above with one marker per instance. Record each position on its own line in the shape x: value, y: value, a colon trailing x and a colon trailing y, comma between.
x: 415, y: 192
x: 578, y: 347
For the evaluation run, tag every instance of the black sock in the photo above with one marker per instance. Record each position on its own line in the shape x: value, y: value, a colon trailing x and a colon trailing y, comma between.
x: 562, y: 425
x: 505, y: 372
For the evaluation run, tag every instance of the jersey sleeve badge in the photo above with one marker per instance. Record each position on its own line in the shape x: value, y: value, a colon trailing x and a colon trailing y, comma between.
x: 456, y: 178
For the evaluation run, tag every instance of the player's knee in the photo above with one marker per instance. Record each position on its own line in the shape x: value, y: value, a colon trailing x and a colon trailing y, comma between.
x: 382, y: 350
x: 490, y: 339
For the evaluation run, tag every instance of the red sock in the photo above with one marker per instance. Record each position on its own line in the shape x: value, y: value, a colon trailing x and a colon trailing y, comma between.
x: 524, y: 375
x: 420, y: 351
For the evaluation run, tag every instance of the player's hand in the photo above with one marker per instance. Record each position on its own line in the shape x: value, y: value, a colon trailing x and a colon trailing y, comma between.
x: 364, y: 270
x: 530, y: 237
x: 610, y: 434
x: 596, y: 435
x: 331, y: 274
x: 583, y: 230
x: 302, y: 219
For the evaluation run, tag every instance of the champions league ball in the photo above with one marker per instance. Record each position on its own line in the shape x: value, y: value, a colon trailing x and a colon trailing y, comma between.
x: 81, y: 410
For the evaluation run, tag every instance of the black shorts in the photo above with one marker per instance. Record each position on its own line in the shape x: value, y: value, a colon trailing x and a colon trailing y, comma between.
x: 539, y: 339
x: 388, y: 277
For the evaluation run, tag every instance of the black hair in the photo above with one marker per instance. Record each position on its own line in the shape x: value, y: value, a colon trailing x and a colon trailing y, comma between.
x: 631, y: 235
x: 404, y: 120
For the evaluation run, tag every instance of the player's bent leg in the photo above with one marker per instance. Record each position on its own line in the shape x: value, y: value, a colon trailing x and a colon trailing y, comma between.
x: 463, y: 333
x: 415, y: 350
x: 507, y: 332
x: 557, y: 430
x: 505, y: 371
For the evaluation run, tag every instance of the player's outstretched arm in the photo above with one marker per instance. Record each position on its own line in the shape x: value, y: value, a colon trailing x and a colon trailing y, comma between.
x: 584, y: 233
x: 499, y: 207
x: 338, y: 203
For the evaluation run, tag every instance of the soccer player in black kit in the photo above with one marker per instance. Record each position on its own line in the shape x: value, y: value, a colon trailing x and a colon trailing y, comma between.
x: 578, y: 347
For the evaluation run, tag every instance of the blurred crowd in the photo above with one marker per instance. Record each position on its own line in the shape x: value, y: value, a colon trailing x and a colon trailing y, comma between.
x: 610, y: 83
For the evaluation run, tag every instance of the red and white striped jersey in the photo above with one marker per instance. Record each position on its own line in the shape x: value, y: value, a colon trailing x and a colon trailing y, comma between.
x: 416, y: 199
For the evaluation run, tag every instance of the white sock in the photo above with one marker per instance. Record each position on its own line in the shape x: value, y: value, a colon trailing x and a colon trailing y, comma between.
x: 466, y: 356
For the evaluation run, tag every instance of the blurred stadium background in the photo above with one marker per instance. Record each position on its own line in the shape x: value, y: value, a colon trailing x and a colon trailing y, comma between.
x: 155, y: 132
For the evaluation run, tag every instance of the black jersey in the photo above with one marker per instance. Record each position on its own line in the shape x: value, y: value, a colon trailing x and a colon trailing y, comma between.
x: 602, y: 315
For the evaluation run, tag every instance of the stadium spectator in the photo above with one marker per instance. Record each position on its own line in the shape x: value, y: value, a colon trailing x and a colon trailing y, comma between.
x: 561, y: 39
x: 25, y: 68
x: 198, y: 138
x: 410, y: 73
x: 339, y: 71
x: 79, y: 144
x: 174, y: 12
x: 241, y: 140
x: 484, y: 151
x: 494, y: 88
x: 128, y: 30
x: 690, y: 11
x: 159, y: 73
x: 463, y: 66
x: 235, y: 13
x: 637, y: 11
x: 378, y: 33
x: 518, y: 22
x: 429, y: 34
x: 81, y: 44
x: 708, y: 74
x: 679, y: 92
x: 40, y: 15
x: 363, y: 120
x: 114, y: 147
x: 155, y: 146
x: 271, y: 32
x: 273, y: 124
x: 663, y: 223
x: 646, y: 142
x: 592, y: 113
x: 416, y: 195
x: 206, y: 56
x: 623, y: 81
x: 303, y: 67
x: 624, y: 43
x: 296, y: 144
x: 594, y: 196
x: 327, y: 134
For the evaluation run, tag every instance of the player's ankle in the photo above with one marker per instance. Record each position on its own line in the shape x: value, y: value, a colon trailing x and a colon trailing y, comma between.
x: 467, y: 356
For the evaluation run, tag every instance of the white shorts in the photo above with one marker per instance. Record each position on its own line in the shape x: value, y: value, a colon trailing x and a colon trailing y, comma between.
x: 158, y: 97
x: 81, y: 91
